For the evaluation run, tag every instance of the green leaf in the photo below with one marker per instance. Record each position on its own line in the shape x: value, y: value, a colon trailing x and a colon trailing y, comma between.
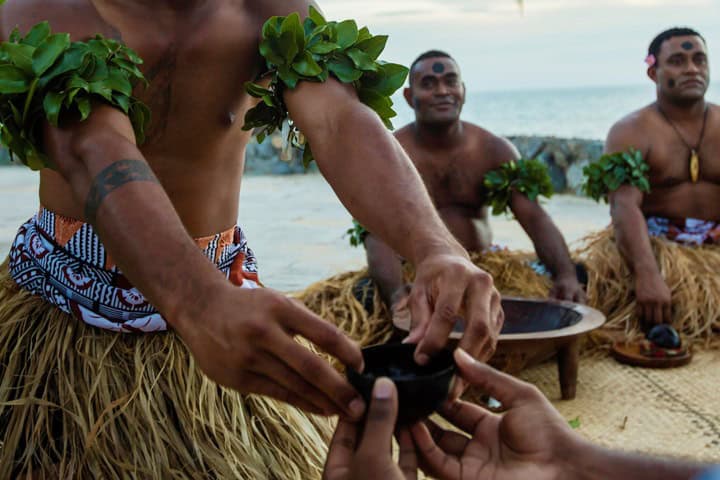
x: 373, y: 46
x: 322, y: 48
x: 122, y: 101
x: 292, y: 25
x: 36, y: 35
x: 271, y: 28
x: 287, y: 48
x: 306, y: 66
x: 288, y: 76
x: 52, y: 103
x: 574, y: 423
x: 118, y: 81
x: 361, y: 59
x: 364, y: 34
x: 390, y: 78
x: 20, y: 55
x: 316, y: 16
x: 378, y: 102
x: 271, y: 51
x: 100, y: 88
x: 344, y: 69
x: 71, y: 59
x: 140, y: 117
x: 48, y: 51
x: 128, y: 66
x: 13, y: 80
x: 83, y: 104
x: 256, y: 90
x: 100, y: 72
x: 347, y: 32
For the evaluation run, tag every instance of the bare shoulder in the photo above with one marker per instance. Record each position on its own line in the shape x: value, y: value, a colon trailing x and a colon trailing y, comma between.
x: 491, y: 148
x: 77, y: 17
x: 632, y: 131
x: 404, y: 135
x: 265, y: 9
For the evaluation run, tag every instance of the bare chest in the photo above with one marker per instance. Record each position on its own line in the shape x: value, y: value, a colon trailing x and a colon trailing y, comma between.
x: 452, y: 179
x: 195, y: 64
x: 671, y: 160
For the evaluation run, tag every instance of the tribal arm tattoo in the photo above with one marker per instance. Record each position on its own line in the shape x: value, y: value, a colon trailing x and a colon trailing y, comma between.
x: 112, y: 178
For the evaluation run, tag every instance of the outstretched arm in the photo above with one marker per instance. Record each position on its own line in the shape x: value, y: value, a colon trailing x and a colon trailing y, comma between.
x: 242, y: 339
x: 378, y: 184
x: 528, y: 440
x: 549, y: 245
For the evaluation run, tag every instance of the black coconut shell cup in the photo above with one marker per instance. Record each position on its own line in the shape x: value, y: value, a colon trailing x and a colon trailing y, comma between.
x: 421, y: 389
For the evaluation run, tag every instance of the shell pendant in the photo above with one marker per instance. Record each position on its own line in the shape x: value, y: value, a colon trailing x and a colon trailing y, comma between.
x: 694, y: 166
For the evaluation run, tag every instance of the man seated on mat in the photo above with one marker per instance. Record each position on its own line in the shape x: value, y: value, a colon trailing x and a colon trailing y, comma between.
x: 665, y: 220
x: 453, y: 158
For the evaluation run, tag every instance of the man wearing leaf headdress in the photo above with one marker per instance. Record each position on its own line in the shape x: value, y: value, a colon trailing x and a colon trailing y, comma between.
x: 664, y: 192
x: 454, y: 158
x: 88, y: 390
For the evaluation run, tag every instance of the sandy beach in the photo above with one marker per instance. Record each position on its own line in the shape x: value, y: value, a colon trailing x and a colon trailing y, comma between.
x: 296, y: 224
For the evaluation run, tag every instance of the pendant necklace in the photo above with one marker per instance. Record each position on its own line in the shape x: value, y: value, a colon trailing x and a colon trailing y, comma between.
x: 694, y: 158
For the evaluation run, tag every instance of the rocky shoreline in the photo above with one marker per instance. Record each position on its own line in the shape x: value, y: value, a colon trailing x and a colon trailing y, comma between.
x: 565, y: 158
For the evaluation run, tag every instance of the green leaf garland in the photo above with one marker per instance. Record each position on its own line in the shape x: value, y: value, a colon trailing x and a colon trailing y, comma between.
x: 527, y: 176
x: 313, y: 50
x: 611, y: 171
x: 46, y: 76
x: 357, y: 234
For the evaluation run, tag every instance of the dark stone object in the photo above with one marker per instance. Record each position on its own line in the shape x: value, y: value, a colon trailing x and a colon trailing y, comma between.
x: 664, y: 336
x: 421, y: 389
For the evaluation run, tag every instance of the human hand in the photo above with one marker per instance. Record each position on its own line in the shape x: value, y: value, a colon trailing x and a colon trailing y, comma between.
x: 353, y: 455
x: 449, y: 288
x: 653, y: 299
x: 243, y: 339
x: 399, y: 300
x: 529, y: 440
x: 567, y: 287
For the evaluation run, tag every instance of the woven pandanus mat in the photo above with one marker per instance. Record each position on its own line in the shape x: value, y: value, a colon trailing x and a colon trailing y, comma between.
x: 668, y: 412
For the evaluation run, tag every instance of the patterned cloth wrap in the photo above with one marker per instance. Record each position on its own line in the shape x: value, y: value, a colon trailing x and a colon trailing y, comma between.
x: 688, y: 231
x: 63, y: 261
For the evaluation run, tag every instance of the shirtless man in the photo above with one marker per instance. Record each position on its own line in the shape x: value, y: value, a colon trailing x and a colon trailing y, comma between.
x: 667, y: 132
x: 148, y: 202
x: 452, y: 157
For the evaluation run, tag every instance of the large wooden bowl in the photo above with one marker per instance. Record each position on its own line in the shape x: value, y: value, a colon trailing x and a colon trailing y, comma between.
x: 534, y: 331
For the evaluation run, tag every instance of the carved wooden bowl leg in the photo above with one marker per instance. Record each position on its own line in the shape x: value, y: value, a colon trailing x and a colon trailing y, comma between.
x: 568, y: 359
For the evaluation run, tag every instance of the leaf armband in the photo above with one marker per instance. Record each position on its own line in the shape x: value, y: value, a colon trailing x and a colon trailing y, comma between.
x: 313, y: 50
x: 527, y: 176
x: 45, y: 76
x: 357, y: 234
x: 611, y: 171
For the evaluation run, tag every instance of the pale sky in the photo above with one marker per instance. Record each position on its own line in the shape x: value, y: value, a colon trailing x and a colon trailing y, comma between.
x: 554, y: 43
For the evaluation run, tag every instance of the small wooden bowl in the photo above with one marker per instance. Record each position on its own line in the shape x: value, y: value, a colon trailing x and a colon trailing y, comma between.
x: 421, y: 389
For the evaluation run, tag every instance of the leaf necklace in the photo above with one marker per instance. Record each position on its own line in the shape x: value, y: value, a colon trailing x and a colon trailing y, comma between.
x: 694, y: 158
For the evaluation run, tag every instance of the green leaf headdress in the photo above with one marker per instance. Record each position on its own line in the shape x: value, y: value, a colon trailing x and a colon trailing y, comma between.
x: 45, y: 76
x: 611, y: 171
x: 313, y: 50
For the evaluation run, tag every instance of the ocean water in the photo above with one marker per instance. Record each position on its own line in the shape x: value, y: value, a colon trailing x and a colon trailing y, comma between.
x: 568, y: 112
